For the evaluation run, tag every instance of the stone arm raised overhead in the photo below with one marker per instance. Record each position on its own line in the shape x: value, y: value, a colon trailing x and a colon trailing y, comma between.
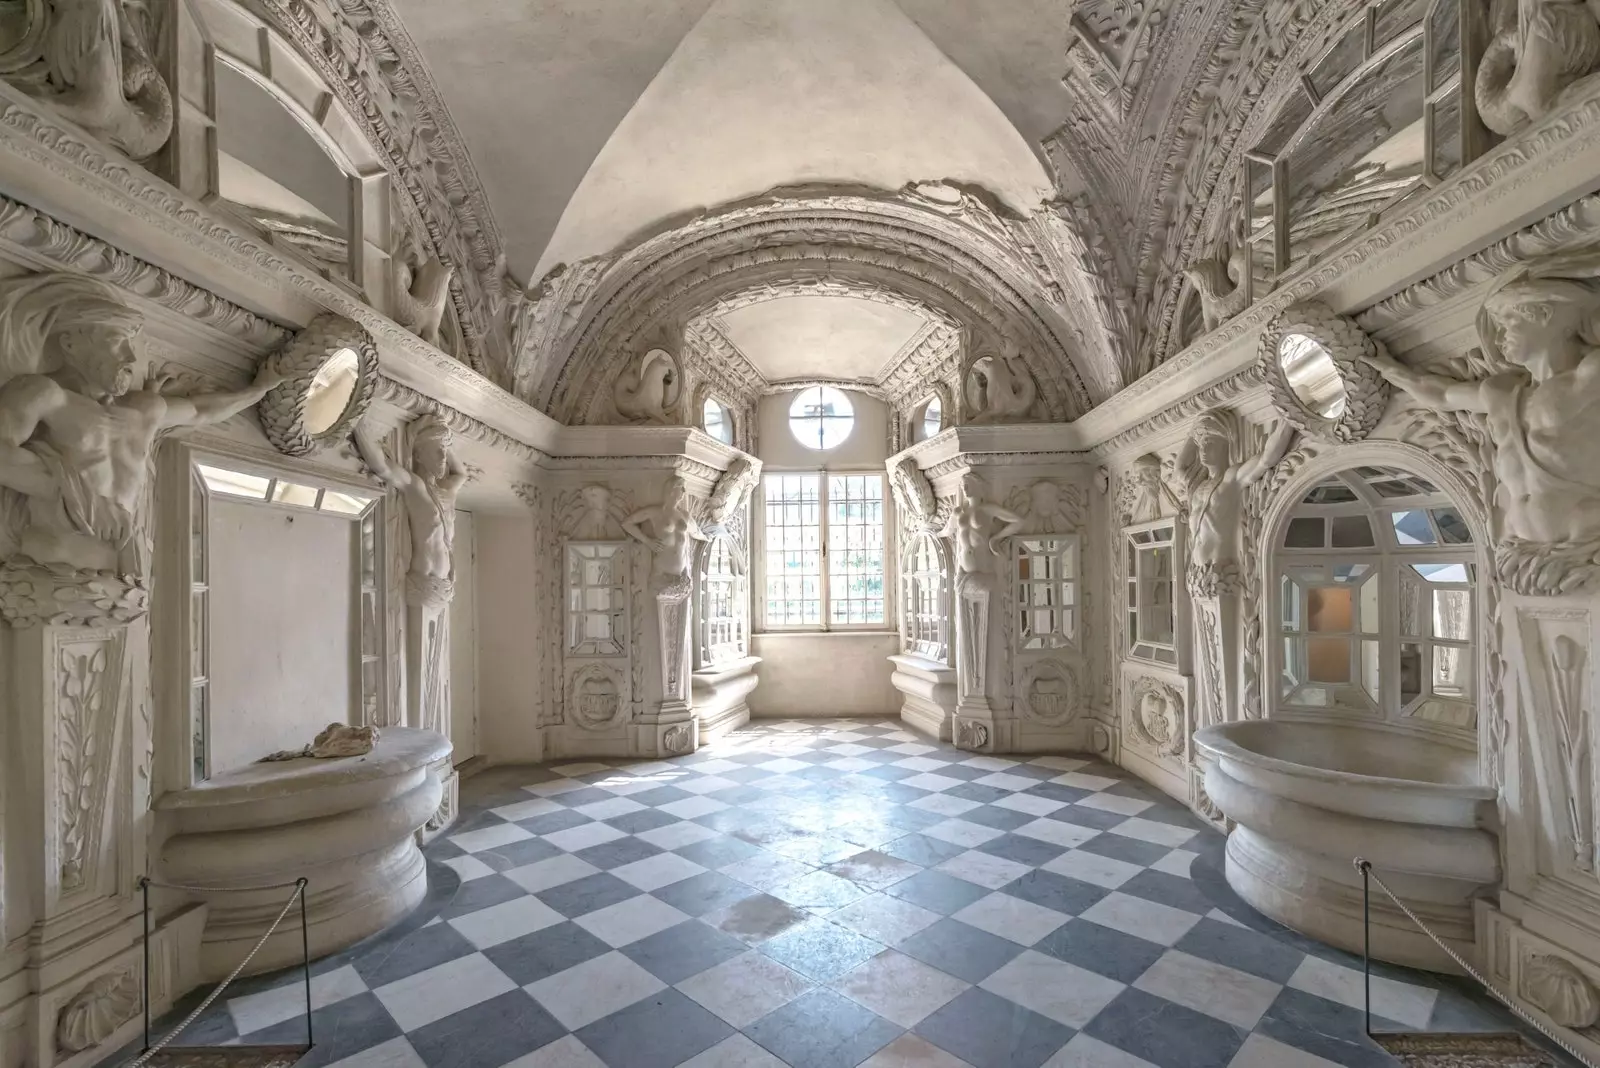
x: 1434, y: 391
x: 1011, y: 520
x: 205, y: 409
x: 1273, y: 451
x: 372, y: 455
x: 631, y: 527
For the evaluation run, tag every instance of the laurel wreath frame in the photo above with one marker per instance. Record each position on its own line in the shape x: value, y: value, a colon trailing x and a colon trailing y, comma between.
x: 1366, y: 392
x: 283, y: 409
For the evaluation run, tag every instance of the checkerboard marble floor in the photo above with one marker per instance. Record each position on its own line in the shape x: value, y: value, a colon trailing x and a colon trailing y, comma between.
x: 828, y: 894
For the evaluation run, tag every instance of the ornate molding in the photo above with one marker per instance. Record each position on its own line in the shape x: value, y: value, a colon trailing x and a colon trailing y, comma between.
x: 94, y: 1013
x: 459, y: 422
x: 34, y: 594
x: 38, y: 236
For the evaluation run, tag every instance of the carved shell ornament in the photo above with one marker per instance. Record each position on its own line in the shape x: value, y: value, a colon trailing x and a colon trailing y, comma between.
x: 330, y: 369
x: 1563, y: 992
x: 1313, y: 361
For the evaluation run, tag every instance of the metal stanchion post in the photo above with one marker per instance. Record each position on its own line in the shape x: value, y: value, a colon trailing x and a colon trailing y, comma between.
x: 1366, y: 938
x: 305, y: 951
x: 144, y: 888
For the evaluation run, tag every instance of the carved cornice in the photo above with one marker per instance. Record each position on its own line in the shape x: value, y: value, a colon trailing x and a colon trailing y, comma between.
x: 1222, y: 392
x: 403, y: 396
x: 54, y: 245
x: 1440, y: 215
x: 1576, y: 224
x: 366, y: 57
x: 33, y: 140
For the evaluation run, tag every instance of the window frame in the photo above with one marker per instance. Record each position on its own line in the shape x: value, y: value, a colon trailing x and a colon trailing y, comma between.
x: 925, y: 633
x: 762, y: 623
x: 821, y: 421
x: 1072, y: 610
x: 710, y: 655
x: 1147, y: 650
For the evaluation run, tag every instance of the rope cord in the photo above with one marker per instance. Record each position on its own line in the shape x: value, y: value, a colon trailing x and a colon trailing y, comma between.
x: 144, y: 1058
x: 1504, y: 999
x: 147, y: 881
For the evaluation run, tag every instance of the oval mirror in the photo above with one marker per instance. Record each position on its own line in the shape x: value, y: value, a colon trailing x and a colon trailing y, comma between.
x: 330, y: 391
x: 1309, y: 369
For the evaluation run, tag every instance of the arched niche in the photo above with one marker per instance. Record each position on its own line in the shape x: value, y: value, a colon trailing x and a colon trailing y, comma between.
x: 284, y: 154
x: 1377, y: 588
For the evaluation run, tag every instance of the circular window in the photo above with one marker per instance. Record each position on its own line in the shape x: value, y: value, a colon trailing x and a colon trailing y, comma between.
x: 821, y: 417
x: 717, y: 420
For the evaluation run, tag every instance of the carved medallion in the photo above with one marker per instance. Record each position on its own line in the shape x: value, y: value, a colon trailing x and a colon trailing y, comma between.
x: 1050, y: 692
x: 1155, y: 714
x: 329, y: 369
x: 1316, y: 366
x: 594, y: 698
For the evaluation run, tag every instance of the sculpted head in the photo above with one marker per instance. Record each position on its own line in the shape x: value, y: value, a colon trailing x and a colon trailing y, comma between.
x: 596, y: 498
x: 1213, y: 443
x: 430, y: 448
x: 677, y: 495
x: 1045, y: 497
x: 66, y: 324
x: 1545, y: 325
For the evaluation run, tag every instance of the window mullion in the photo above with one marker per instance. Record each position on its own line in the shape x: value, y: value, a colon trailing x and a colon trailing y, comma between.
x: 824, y: 586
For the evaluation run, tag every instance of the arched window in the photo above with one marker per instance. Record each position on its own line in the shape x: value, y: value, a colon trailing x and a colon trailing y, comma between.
x: 926, y: 584
x: 723, y: 604
x: 1377, y: 576
x: 717, y: 421
x: 821, y: 417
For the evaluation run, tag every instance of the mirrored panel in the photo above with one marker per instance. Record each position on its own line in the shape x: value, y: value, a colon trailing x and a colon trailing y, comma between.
x: 596, y: 598
x: 1046, y: 591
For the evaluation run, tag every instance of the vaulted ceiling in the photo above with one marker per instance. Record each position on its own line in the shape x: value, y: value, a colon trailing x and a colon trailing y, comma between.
x: 1093, y: 134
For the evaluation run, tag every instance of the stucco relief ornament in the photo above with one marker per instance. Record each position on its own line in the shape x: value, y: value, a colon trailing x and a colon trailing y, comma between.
x: 1215, y: 475
x: 1000, y: 388
x: 913, y: 492
x: 333, y: 742
x: 1220, y: 281
x: 76, y: 441
x: 92, y: 1014
x: 972, y: 525
x: 1050, y: 692
x: 1315, y: 364
x: 1539, y: 48
x: 1561, y: 990
x: 1144, y: 495
x: 1155, y: 714
x: 732, y: 491
x: 1049, y: 507
x: 595, y: 698
x: 421, y: 291
x: 649, y: 389
x: 1540, y: 329
x: 92, y: 61
x: 428, y: 485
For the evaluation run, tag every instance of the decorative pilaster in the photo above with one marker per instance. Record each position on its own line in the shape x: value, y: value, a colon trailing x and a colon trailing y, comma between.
x: 974, y: 715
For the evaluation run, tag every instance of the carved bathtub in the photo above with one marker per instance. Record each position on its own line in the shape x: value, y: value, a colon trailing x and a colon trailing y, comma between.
x: 1309, y: 797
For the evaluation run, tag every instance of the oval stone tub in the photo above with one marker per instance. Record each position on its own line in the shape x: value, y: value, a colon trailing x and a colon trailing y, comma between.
x: 1307, y: 798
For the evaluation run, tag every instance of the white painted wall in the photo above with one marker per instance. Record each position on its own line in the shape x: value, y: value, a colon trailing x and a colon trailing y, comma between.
x: 508, y: 630
x: 464, y: 642
x: 839, y: 674
x: 282, y: 626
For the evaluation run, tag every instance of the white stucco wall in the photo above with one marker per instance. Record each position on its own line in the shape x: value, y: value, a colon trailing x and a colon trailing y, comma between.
x: 282, y: 625
x: 508, y: 628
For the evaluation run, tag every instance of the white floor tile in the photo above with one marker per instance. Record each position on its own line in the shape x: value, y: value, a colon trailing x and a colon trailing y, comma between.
x: 1083, y: 781
x: 583, y: 836
x: 849, y: 763
x: 717, y: 767
x: 1064, y: 992
x: 468, y: 867
x: 708, y: 784
x: 746, y: 988
x: 960, y: 832
x: 766, y: 870
x: 909, y: 1051
x: 1011, y: 918
x: 609, y: 808
x: 565, y: 1052
x: 1069, y: 835
x: 1149, y: 920
x: 1402, y: 1002
x: 1002, y: 781
x: 1127, y: 806
x: 552, y: 871
x: 628, y: 921
x: 1093, y: 868
x: 735, y: 1051
x: 418, y: 1000
x: 984, y: 869
x: 1151, y: 831
x: 252, y: 1012
x: 910, y: 748
x: 395, y: 1053
x: 1086, y: 1052
x: 944, y: 804
x: 594, y: 989
x: 676, y: 835
x: 555, y: 787
x: 1176, y: 862
x: 931, y: 781
x: 884, y: 919
x: 663, y: 869
x: 1032, y: 804
x: 505, y: 921
x: 898, y: 988
x: 989, y: 763
x: 692, y: 807
x: 918, y: 763
x: 1214, y: 989
x: 525, y: 810
x: 490, y: 837
x: 1259, y: 1051
x: 783, y: 765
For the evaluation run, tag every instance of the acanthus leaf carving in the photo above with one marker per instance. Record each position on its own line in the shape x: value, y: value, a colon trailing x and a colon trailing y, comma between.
x: 94, y: 1013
